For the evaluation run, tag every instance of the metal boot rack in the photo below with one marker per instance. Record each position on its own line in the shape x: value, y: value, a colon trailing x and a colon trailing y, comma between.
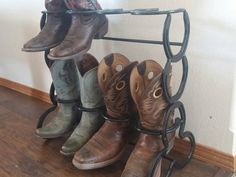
x: 174, y: 103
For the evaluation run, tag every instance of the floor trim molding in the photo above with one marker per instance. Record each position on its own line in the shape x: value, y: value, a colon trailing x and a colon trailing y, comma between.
x: 209, y: 155
x: 25, y: 90
x: 202, y: 153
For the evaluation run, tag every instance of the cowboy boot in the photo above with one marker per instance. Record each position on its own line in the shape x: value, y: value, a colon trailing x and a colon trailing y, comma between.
x: 92, y: 99
x: 55, y: 29
x: 107, y: 145
x: 66, y: 82
x: 147, y: 93
x: 83, y: 29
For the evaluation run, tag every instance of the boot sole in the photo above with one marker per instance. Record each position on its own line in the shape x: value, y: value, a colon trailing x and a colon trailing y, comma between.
x: 50, y: 137
x: 97, y: 165
x: 67, y: 153
x: 39, y: 49
x: 101, y: 33
x: 53, y: 136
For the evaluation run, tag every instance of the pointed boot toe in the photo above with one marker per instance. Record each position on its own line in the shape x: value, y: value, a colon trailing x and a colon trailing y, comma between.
x: 54, y: 30
x: 61, y: 53
x: 69, y: 148
x: 84, y: 159
x: 35, y: 45
x: 47, y: 133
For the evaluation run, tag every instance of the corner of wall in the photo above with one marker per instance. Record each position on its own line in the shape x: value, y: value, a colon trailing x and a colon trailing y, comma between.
x: 232, y: 125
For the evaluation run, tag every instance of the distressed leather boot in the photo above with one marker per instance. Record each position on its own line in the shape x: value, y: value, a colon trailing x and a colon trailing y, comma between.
x: 92, y: 102
x: 55, y: 29
x: 84, y: 28
x: 66, y: 82
x: 107, y: 145
x: 148, y: 95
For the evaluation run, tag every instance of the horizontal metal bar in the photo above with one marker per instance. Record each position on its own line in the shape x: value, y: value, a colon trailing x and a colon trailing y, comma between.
x: 150, y: 11
x: 140, y: 41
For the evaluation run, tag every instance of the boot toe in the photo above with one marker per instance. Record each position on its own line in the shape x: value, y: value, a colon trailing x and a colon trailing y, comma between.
x: 36, y: 45
x: 59, y: 54
x: 69, y: 148
x: 84, y: 157
x: 129, y: 173
x: 47, y: 133
x: 31, y: 46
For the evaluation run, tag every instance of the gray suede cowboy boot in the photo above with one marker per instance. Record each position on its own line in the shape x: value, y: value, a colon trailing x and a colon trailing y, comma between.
x: 91, y: 100
x: 66, y: 81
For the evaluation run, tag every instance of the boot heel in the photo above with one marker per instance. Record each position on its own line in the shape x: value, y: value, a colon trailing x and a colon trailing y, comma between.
x: 102, y: 31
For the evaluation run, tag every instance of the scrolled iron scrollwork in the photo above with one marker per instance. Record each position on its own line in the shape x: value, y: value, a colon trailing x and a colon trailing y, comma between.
x: 165, y: 76
x: 166, y: 38
x: 181, y: 121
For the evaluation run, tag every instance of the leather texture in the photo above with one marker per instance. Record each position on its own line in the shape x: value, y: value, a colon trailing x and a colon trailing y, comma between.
x: 67, y: 86
x: 84, y: 28
x: 91, y: 97
x: 83, y: 4
x: 55, y: 29
x: 148, y: 95
x: 106, y: 146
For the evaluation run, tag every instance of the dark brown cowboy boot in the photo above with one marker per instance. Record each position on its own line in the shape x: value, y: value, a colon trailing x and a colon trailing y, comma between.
x: 82, y: 31
x: 107, y: 145
x: 55, y: 29
x: 147, y: 93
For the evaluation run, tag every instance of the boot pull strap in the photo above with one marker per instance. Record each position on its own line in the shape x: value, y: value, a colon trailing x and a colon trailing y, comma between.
x: 117, y: 119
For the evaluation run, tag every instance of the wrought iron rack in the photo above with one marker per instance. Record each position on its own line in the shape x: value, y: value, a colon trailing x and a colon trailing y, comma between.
x: 174, y: 103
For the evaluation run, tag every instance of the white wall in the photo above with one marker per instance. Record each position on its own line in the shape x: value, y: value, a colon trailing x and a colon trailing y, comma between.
x: 209, y: 93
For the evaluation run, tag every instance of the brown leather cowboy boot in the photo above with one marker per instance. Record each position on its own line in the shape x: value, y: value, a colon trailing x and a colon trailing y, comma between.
x: 107, y: 145
x: 55, y: 29
x: 147, y: 93
x: 84, y: 28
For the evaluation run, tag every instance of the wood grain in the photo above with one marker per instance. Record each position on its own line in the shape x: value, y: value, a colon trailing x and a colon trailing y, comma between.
x: 22, y: 151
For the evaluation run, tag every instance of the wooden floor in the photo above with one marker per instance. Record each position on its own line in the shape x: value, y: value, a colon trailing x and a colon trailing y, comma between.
x: 24, y: 155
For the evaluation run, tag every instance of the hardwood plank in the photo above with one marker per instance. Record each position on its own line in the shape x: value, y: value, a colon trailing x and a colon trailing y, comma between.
x: 223, y: 173
x: 24, y: 155
x: 202, y: 153
x: 208, y: 155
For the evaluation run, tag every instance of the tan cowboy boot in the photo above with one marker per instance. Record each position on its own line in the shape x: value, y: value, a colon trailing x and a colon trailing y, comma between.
x: 91, y: 99
x: 107, y: 145
x: 84, y: 28
x: 55, y: 29
x: 148, y: 95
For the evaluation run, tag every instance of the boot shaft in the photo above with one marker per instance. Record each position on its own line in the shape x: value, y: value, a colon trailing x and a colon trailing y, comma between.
x: 65, y: 79
x: 55, y: 5
x: 148, y: 94
x: 90, y: 92
x: 82, y: 4
x: 113, y: 76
